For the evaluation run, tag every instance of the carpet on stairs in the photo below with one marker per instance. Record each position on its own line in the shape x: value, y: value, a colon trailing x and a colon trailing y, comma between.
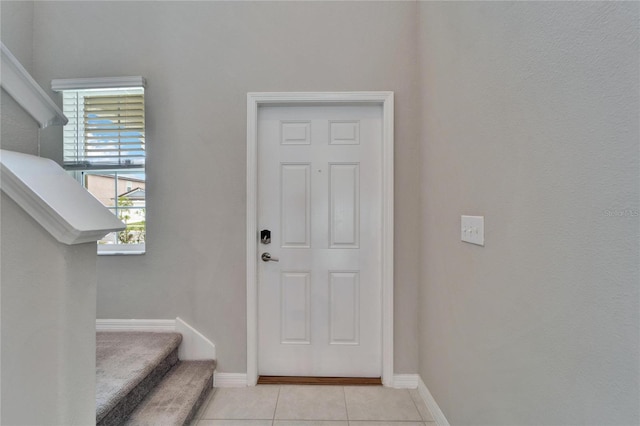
x: 128, y: 366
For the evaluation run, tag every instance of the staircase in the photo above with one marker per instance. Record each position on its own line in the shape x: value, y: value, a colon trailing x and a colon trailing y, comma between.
x: 141, y: 381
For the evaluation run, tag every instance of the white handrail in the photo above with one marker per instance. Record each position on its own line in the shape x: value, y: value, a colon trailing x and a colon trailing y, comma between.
x: 54, y: 199
x: 17, y: 82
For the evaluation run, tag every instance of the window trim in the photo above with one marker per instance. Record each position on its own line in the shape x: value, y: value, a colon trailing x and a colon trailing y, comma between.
x: 60, y: 84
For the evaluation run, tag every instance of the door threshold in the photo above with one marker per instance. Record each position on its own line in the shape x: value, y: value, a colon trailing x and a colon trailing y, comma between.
x: 326, y: 381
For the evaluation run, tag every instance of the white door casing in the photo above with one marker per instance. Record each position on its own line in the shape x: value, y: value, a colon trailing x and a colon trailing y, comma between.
x: 346, y: 266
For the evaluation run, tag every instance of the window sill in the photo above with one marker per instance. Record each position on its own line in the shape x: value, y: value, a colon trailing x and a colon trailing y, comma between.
x: 121, y: 249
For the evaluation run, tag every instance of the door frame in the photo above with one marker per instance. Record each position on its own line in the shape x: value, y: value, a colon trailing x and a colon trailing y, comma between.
x: 258, y: 99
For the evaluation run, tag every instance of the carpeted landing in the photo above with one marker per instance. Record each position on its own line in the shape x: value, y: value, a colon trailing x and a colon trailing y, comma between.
x: 140, y: 381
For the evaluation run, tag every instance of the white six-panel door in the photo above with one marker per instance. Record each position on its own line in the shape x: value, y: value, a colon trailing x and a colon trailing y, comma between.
x: 320, y: 196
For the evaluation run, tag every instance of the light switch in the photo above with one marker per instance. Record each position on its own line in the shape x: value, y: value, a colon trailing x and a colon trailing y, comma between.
x: 472, y: 229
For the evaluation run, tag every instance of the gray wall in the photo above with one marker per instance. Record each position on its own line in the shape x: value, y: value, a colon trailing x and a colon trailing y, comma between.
x: 17, y: 132
x: 531, y: 119
x: 17, y: 30
x: 48, y: 325
x: 200, y: 59
x: 48, y: 304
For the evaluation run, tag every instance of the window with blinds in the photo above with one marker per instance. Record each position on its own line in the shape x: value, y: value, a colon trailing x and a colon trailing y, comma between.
x: 104, y: 149
x: 106, y: 128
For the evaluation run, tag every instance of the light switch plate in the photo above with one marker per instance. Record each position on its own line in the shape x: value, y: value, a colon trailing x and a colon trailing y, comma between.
x: 472, y: 229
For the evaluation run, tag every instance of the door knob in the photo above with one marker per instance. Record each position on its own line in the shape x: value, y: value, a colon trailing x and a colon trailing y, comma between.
x: 268, y: 258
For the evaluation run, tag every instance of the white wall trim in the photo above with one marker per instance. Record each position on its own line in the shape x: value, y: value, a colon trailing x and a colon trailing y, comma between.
x: 254, y: 100
x: 194, y: 345
x: 135, y: 325
x: 229, y: 380
x: 60, y: 84
x: 406, y: 381
x: 54, y: 199
x: 436, y: 412
x: 18, y: 83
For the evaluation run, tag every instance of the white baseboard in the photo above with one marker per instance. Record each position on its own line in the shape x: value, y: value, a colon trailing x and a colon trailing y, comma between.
x: 405, y: 381
x: 135, y: 325
x: 194, y: 345
x: 229, y: 380
x: 436, y: 412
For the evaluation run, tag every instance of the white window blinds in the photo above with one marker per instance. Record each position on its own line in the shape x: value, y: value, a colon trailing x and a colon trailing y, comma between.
x: 106, y: 128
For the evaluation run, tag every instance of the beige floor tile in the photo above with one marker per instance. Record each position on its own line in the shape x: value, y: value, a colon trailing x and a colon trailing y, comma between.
x: 374, y: 423
x: 311, y: 403
x: 309, y: 423
x: 249, y: 403
x: 378, y: 403
x: 234, y: 423
x: 422, y: 408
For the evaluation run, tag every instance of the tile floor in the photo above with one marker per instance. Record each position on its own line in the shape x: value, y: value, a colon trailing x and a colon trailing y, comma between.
x: 271, y: 405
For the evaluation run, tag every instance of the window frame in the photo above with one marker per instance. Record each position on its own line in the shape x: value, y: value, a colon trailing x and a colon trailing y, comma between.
x: 79, y: 171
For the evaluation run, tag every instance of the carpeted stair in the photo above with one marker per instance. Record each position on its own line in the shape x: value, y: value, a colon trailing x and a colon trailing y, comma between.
x: 140, y: 381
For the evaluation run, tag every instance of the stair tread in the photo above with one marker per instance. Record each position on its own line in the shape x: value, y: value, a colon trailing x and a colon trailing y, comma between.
x: 177, y: 397
x: 124, y: 359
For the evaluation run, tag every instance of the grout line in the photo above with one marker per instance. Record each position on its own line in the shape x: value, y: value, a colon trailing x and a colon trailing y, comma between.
x: 275, y: 410
x: 346, y: 407
x: 415, y: 404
